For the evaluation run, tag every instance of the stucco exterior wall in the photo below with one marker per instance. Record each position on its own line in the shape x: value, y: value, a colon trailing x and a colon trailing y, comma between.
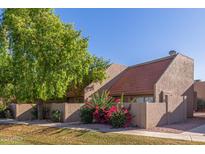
x: 138, y: 112
x: 70, y: 112
x: 112, y: 74
x: 155, y: 114
x: 147, y: 115
x: 177, y: 83
x: 199, y: 87
x: 22, y: 111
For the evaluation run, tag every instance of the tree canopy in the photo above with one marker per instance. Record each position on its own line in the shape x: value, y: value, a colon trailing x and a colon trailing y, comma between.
x: 41, y: 57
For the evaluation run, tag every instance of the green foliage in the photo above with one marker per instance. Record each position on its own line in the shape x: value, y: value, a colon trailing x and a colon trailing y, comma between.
x: 118, y: 119
x: 5, y: 112
x: 56, y: 116
x: 2, y: 107
x: 41, y: 57
x: 102, y: 100
x: 8, y: 114
x: 86, y: 115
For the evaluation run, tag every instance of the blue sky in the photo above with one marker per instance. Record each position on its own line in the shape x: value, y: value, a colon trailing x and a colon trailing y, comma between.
x: 131, y: 36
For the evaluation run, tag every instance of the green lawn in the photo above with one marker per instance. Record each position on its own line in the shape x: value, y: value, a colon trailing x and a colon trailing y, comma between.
x: 24, y: 134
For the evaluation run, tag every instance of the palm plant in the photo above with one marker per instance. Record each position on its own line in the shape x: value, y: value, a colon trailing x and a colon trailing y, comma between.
x: 102, y: 100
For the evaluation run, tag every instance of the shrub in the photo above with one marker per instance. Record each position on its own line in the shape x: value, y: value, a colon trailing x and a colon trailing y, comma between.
x: 118, y: 119
x: 2, y: 110
x: 56, y: 116
x: 5, y: 112
x: 8, y: 113
x: 119, y: 116
x: 102, y: 100
x: 106, y: 110
x: 100, y: 115
x: 86, y: 115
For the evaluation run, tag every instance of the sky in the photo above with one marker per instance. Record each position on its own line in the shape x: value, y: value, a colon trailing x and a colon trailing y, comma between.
x: 132, y: 36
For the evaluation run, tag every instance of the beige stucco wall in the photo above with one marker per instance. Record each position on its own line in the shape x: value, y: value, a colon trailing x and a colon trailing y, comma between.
x: 70, y: 111
x: 199, y: 88
x: 112, y: 74
x: 177, y: 83
x: 56, y: 106
x: 22, y: 111
x: 138, y: 112
x: 147, y: 115
x: 155, y: 114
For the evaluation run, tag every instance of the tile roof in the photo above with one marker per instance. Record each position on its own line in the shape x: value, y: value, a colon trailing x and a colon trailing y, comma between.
x: 140, y: 79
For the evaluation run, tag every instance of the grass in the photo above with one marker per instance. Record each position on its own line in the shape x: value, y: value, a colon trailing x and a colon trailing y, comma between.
x: 31, y: 134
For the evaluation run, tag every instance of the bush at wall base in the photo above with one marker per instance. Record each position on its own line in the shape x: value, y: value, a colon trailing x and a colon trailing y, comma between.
x: 118, y: 119
x: 86, y: 115
x: 5, y: 112
x: 56, y: 116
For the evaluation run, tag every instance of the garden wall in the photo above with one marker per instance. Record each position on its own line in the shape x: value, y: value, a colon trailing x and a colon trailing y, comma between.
x: 144, y: 115
x: 22, y: 111
x: 70, y: 112
x: 148, y: 115
x: 138, y: 112
x: 155, y: 114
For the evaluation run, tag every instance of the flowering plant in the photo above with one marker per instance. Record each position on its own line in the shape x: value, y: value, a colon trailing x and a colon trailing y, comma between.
x: 105, y: 109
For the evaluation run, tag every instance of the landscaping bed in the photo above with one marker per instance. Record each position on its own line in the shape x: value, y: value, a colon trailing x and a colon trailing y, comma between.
x: 104, y: 109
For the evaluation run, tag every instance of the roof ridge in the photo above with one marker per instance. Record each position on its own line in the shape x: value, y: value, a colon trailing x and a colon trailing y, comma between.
x: 153, y: 61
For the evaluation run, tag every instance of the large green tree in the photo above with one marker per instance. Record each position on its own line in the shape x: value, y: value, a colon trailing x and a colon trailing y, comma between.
x: 41, y: 57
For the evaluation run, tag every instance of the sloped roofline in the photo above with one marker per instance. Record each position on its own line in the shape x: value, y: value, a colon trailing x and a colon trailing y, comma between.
x: 153, y: 61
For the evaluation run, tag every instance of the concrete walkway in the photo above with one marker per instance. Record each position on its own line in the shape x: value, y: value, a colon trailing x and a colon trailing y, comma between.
x: 192, y: 135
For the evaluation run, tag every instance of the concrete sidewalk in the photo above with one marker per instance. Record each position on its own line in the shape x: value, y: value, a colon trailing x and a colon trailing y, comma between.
x: 188, y: 136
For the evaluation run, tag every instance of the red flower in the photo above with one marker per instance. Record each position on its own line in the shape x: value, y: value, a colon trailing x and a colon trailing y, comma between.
x: 117, y: 100
x: 112, y: 110
x: 100, y: 115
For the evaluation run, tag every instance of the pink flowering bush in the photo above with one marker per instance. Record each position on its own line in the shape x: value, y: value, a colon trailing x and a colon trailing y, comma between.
x: 107, y: 110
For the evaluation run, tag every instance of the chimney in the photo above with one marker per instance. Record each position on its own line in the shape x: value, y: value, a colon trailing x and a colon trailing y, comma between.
x: 172, y: 52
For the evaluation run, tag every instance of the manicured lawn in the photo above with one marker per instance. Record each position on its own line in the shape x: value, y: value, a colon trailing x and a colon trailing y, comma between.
x: 24, y: 134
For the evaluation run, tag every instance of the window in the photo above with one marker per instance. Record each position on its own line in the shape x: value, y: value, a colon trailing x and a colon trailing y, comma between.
x: 144, y: 99
x: 149, y: 99
x: 140, y: 99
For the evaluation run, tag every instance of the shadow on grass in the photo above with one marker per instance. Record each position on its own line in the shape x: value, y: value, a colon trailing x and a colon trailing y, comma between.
x: 6, y: 126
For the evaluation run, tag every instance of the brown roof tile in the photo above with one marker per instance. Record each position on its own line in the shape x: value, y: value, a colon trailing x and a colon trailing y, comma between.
x: 140, y: 79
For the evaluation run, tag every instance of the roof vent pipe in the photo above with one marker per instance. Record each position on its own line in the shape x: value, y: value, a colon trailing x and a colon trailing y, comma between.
x: 172, y: 52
